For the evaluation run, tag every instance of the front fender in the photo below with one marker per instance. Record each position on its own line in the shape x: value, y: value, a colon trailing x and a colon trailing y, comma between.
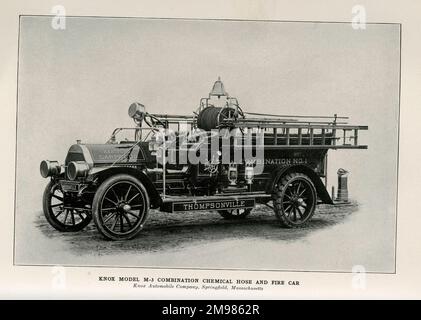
x: 99, y: 174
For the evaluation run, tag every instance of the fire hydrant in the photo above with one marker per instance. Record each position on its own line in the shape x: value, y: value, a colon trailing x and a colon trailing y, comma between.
x: 342, y: 185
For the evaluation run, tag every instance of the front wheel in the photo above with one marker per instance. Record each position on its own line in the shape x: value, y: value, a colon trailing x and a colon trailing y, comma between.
x: 60, y: 212
x: 294, y: 200
x: 120, y: 207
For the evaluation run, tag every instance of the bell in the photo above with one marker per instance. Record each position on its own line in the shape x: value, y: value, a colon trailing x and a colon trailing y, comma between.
x: 218, y: 89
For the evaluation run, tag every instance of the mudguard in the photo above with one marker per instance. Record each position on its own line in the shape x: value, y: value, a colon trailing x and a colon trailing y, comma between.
x: 322, y: 193
x: 104, y: 173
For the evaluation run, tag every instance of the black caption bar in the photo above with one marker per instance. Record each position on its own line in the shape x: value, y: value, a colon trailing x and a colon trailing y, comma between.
x: 187, y: 309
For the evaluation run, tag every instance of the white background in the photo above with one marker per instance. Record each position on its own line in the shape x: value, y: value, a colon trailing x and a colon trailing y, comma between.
x: 267, y: 10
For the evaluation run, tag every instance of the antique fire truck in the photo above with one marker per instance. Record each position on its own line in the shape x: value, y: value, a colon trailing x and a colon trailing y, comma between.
x: 219, y: 159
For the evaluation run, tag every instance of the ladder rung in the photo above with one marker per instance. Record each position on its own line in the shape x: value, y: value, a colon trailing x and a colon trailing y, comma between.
x: 311, y: 136
x: 355, y: 137
x: 275, y: 133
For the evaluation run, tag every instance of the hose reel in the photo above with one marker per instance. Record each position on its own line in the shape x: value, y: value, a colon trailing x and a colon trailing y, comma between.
x: 212, y: 117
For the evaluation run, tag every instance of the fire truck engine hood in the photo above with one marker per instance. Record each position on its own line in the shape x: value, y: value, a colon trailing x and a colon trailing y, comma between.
x: 101, y: 154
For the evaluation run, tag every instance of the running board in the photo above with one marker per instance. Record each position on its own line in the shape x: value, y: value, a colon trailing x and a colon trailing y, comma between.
x: 208, y: 203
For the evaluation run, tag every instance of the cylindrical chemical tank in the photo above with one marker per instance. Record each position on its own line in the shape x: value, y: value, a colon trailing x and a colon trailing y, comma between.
x: 342, y: 185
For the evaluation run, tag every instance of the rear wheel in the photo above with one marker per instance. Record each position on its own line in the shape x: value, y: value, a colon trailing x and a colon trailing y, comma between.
x: 59, y: 211
x: 294, y: 200
x: 235, y: 213
x: 120, y: 207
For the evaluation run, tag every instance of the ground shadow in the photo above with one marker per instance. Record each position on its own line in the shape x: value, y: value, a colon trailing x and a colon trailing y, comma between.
x: 165, y: 231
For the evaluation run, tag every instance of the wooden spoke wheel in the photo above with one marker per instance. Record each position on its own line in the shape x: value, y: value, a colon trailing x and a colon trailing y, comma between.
x: 120, y: 207
x: 235, y: 213
x: 61, y: 214
x: 294, y: 200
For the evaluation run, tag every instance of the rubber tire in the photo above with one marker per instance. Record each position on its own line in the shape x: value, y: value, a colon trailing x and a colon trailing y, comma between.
x: 49, y: 214
x: 278, y: 194
x: 226, y: 214
x: 97, y: 202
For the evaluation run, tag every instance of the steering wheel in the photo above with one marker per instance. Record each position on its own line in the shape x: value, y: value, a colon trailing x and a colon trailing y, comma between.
x: 153, y: 121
